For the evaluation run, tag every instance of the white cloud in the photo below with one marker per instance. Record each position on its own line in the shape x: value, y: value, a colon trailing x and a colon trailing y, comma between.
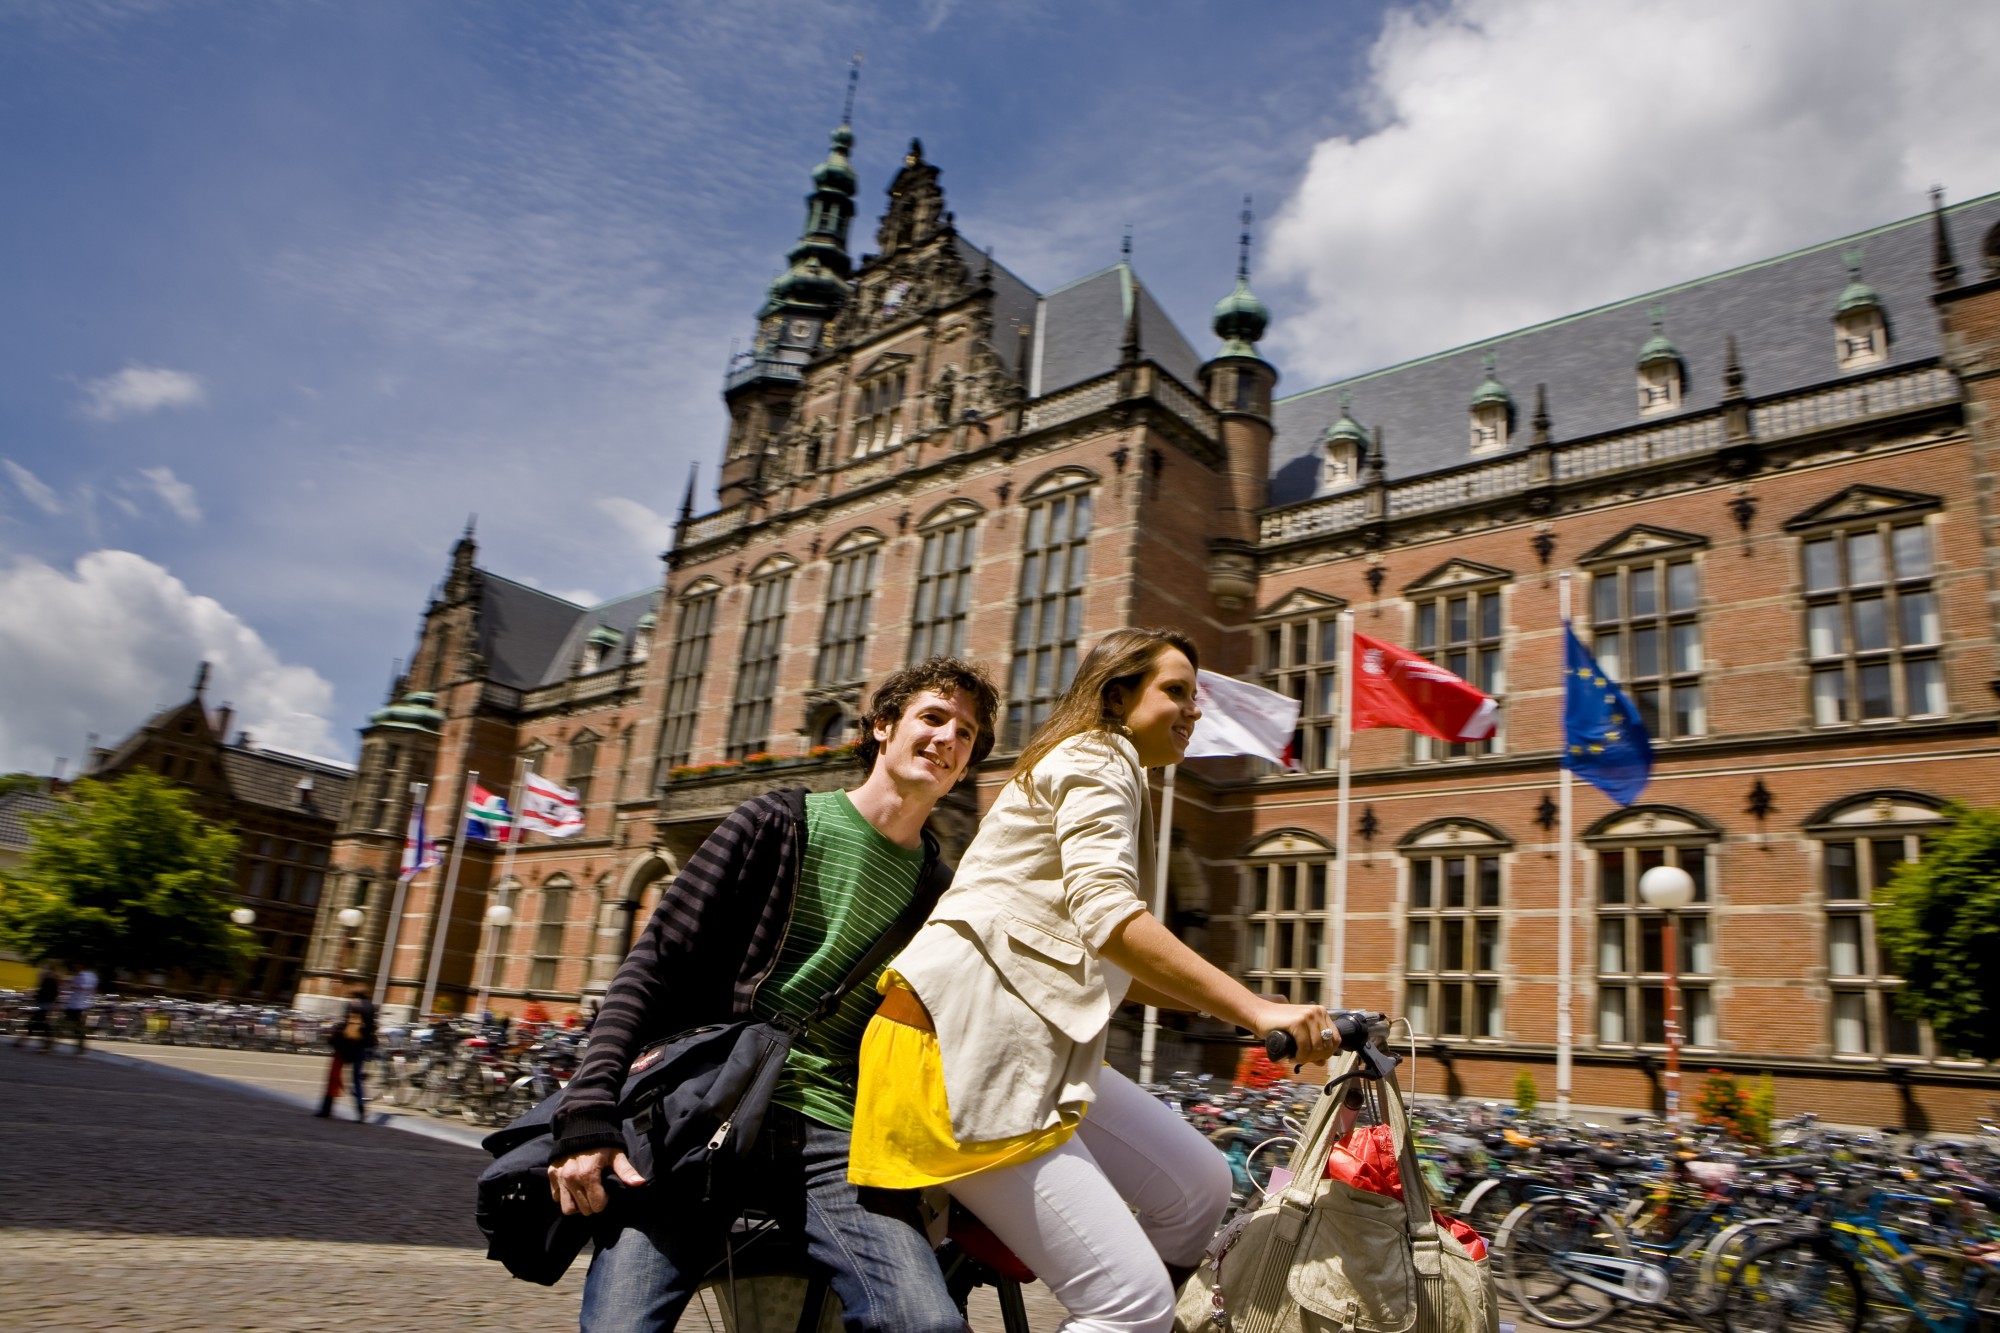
x: 650, y: 532
x: 176, y: 494
x: 39, y: 493
x: 100, y: 648
x: 1534, y: 157
x: 137, y: 390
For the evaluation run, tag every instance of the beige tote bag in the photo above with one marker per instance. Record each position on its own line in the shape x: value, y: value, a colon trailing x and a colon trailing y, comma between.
x: 1322, y: 1255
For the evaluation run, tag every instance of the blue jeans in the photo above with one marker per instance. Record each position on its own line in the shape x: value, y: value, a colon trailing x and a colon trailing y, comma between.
x: 870, y: 1242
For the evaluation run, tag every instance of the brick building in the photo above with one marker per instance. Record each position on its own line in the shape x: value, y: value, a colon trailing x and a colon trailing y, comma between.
x: 1771, y: 489
x: 281, y: 806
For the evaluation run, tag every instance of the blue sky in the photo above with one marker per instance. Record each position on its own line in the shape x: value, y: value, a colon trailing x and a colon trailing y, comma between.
x: 295, y: 287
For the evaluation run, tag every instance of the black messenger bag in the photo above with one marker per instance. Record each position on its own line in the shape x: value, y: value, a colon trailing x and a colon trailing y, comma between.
x: 694, y: 1105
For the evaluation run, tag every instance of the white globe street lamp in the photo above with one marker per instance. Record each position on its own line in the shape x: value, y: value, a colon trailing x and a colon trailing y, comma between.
x: 1669, y: 888
x: 243, y: 916
x: 350, y: 917
x: 499, y: 915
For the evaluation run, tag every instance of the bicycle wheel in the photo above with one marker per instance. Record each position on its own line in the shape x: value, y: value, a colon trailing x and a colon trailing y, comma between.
x: 1545, y: 1250
x: 1802, y: 1283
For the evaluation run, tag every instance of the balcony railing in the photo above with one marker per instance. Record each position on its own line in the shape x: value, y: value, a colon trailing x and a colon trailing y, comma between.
x: 1071, y: 404
x: 1929, y: 387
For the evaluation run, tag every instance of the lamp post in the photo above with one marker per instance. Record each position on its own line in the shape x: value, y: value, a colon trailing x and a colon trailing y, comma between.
x: 350, y: 921
x: 1669, y: 888
x: 498, y: 917
x: 243, y: 916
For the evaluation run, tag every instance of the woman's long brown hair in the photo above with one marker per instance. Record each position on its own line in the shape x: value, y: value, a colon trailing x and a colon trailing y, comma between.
x: 1121, y: 658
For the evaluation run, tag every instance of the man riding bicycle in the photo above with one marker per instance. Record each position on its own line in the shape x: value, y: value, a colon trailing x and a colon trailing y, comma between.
x: 780, y: 902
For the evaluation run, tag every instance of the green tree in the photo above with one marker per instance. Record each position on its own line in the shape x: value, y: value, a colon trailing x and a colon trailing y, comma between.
x: 1526, y: 1095
x: 13, y: 782
x: 126, y: 877
x: 1938, y: 920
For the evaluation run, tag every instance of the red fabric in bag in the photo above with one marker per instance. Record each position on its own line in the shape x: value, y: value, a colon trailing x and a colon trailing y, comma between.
x: 1366, y: 1159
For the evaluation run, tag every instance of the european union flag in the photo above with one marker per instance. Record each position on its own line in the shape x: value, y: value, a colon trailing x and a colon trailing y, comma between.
x: 1604, y: 743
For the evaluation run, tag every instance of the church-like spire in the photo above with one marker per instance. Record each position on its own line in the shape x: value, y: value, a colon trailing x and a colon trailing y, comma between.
x: 1240, y: 318
x: 815, y: 281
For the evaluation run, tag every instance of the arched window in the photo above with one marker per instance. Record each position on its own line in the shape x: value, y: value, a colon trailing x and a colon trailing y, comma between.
x: 850, y: 588
x: 1048, y: 617
x: 878, y: 418
x: 944, y: 581
x: 1298, y: 644
x: 757, y: 668
x: 1285, y: 941
x: 1455, y: 909
x: 1858, y: 843
x: 582, y: 766
x: 693, y: 623
x: 1631, y: 938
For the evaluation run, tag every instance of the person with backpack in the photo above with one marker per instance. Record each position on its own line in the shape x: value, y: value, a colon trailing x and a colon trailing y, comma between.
x: 781, y: 904
x: 79, y: 997
x: 352, y: 1039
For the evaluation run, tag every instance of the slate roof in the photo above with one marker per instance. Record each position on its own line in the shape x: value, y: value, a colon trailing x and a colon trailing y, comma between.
x: 271, y: 778
x: 1083, y: 329
x: 16, y: 809
x: 1781, y: 311
x: 521, y: 630
x: 620, y: 614
x: 1014, y: 303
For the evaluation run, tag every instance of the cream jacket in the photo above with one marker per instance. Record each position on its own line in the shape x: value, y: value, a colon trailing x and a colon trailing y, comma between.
x: 1009, y: 964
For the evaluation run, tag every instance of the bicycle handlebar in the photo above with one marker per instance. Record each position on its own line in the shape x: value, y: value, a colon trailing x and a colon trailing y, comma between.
x: 1358, y: 1030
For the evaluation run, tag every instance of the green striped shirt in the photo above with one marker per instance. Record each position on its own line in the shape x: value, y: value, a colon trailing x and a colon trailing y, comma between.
x: 853, y: 884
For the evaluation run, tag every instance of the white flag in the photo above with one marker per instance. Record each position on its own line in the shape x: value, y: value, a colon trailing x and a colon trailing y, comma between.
x: 1240, y: 718
x: 547, y: 808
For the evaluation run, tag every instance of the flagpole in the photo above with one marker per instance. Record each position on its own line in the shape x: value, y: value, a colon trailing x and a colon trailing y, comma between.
x: 1337, y: 978
x: 490, y: 931
x: 1565, y: 1033
x: 419, y: 793
x: 1149, y: 1034
x: 450, y: 892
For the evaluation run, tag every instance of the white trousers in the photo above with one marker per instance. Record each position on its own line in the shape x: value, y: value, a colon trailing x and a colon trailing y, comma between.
x: 1069, y: 1214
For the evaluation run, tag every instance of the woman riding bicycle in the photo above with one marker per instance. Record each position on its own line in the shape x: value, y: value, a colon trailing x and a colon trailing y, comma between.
x: 984, y: 1070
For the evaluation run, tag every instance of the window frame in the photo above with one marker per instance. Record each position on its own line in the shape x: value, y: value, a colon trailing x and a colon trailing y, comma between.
x: 853, y: 574
x: 952, y: 538
x: 557, y: 893
x: 1048, y: 624
x: 1890, y: 816
x: 1288, y: 882
x: 1434, y: 848
x: 1689, y: 844
x: 1659, y: 688
x: 1851, y: 660
x: 1313, y: 683
x: 758, y: 659
x: 693, y: 631
x: 1491, y: 675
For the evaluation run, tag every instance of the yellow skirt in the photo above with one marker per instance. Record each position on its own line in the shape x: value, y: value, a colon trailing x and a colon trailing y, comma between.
x: 902, y: 1124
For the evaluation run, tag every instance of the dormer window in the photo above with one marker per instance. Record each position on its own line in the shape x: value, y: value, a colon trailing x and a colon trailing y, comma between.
x: 1661, y: 373
x: 1860, y: 333
x: 598, y: 647
x: 1492, y: 414
x: 877, y: 413
x: 1341, y: 451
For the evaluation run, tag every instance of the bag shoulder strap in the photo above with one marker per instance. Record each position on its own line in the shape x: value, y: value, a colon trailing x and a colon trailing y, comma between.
x: 931, y: 884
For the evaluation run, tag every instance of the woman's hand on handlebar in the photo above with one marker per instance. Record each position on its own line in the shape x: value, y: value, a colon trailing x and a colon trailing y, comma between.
x: 577, y: 1181
x: 1310, y: 1026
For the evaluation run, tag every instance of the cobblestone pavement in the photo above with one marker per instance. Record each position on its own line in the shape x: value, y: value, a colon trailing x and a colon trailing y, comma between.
x: 131, y: 1202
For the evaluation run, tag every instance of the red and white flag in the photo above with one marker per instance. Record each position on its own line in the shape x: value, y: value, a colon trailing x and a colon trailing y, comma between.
x: 1394, y: 687
x: 547, y: 808
x: 1240, y: 718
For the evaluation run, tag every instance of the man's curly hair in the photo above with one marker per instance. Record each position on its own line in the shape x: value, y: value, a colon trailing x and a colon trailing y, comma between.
x: 945, y: 675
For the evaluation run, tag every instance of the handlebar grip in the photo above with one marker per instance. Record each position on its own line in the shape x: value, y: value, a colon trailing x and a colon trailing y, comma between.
x: 1280, y: 1045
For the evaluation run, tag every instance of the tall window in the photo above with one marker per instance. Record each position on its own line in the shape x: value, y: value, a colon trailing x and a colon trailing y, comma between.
x: 757, y: 670
x: 1286, y: 946
x: 1452, y: 943
x: 944, y: 589
x: 878, y: 418
x: 697, y: 617
x: 1298, y: 657
x: 1646, y: 634
x: 1631, y: 947
x: 1872, y: 624
x: 1860, y: 849
x: 843, y: 635
x: 1460, y: 631
x: 582, y: 764
x: 549, y: 936
x: 1055, y: 562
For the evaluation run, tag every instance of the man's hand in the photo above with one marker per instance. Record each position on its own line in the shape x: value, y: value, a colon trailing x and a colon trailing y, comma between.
x: 577, y: 1181
x: 1310, y: 1025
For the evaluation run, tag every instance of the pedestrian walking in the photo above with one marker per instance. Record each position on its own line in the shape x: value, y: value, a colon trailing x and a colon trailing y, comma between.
x: 352, y: 1040
x: 78, y: 999
x: 41, y: 1014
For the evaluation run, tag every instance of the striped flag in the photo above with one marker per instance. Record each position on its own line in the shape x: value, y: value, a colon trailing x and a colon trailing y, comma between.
x: 547, y: 808
x: 487, y: 816
x: 419, y: 852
